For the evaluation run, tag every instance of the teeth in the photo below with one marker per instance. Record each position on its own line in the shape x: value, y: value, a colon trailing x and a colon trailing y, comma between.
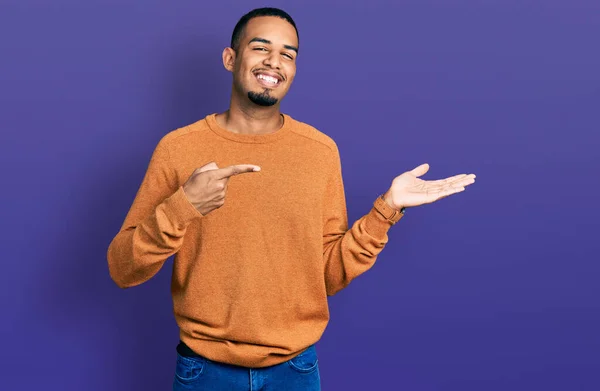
x: 270, y: 79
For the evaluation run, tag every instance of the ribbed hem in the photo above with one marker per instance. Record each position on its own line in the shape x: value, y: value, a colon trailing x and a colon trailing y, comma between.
x: 180, y: 208
x: 240, y: 354
x: 376, y: 224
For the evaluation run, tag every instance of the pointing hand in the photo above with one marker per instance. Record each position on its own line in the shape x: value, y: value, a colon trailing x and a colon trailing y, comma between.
x: 207, y: 185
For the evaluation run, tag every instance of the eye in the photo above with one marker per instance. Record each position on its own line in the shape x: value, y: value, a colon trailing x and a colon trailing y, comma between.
x: 288, y: 56
x: 260, y: 48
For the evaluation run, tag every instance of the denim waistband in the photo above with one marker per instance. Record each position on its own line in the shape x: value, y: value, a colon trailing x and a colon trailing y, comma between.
x: 185, y: 350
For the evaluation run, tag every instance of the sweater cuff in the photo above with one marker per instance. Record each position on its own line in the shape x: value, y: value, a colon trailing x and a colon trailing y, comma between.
x: 180, y: 209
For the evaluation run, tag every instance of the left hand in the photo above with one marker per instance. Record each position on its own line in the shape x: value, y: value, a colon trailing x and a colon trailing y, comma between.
x: 408, y: 190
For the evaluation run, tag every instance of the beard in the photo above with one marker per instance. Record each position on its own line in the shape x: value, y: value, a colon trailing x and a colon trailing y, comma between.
x: 262, y: 98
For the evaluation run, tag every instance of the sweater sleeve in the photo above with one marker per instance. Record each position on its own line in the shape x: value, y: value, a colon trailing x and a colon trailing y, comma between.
x: 347, y: 252
x: 154, y: 227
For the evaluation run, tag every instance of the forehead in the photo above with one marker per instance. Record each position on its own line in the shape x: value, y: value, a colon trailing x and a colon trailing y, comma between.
x: 273, y: 28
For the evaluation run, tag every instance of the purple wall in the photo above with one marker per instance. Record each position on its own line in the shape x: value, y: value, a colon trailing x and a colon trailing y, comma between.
x: 492, y: 289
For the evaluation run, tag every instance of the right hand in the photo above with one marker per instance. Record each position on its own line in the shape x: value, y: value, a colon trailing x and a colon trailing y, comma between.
x: 207, y: 185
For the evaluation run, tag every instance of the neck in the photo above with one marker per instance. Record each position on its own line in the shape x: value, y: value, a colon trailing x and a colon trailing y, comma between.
x: 250, y: 118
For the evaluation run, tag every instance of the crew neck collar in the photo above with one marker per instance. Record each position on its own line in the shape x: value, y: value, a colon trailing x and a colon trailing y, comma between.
x: 211, y: 120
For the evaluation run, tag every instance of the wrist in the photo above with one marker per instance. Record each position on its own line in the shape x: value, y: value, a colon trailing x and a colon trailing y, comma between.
x: 387, y: 211
x: 388, y: 199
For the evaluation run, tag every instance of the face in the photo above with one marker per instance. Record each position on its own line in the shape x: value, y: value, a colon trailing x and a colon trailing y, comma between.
x: 264, y: 65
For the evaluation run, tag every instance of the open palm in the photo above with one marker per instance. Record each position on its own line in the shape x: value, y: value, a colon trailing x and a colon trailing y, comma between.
x: 408, y: 190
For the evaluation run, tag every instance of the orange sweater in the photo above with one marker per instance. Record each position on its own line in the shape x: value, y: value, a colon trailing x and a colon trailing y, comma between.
x: 250, y: 279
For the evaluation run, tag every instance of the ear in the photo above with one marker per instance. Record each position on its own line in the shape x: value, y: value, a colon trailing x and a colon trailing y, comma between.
x: 228, y: 59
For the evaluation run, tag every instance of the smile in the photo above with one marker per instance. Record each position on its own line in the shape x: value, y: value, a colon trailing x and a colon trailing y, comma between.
x: 267, y: 80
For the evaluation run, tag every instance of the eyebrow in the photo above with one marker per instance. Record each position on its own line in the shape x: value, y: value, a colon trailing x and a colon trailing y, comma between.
x: 257, y: 39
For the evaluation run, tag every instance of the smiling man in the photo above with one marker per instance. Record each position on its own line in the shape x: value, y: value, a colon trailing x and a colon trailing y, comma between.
x: 262, y: 59
x: 268, y: 78
x: 256, y: 256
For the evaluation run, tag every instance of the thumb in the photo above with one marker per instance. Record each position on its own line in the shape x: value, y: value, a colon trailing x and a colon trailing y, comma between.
x: 208, y: 167
x: 420, y: 170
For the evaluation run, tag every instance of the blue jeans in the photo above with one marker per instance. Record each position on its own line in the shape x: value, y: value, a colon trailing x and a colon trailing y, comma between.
x: 201, y: 374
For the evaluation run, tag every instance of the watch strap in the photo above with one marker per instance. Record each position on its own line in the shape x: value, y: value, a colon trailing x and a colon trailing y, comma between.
x: 390, y: 214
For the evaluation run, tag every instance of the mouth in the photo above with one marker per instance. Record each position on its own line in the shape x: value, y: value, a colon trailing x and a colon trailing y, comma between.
x: 268, y: 79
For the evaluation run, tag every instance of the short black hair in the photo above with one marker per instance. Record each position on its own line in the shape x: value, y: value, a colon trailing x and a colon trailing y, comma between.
x: 238, y: 30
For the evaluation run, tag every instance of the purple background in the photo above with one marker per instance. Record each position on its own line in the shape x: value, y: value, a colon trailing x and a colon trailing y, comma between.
x: 495, y: 288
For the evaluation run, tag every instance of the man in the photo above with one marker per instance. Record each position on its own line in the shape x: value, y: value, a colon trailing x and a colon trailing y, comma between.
x: 256, y: 256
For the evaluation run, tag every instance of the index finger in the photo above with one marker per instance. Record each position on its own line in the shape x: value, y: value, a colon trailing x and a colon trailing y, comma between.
x: 448, y: 180
x: 226, y: 172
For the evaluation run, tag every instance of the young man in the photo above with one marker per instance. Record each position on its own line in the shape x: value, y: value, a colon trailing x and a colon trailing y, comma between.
x: 256, y: 256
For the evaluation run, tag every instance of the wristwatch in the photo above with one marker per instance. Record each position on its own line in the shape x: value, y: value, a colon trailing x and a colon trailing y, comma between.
x: 392, y: 215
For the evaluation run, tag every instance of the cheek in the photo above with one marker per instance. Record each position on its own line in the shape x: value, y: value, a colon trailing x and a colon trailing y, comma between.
x: 244, y: 75
x: 291, y: 77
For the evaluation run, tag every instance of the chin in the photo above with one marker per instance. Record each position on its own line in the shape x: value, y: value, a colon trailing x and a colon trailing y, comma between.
x: 263, y: 97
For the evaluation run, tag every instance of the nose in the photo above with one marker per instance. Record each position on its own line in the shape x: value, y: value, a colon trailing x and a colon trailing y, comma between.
x: 273, y: 60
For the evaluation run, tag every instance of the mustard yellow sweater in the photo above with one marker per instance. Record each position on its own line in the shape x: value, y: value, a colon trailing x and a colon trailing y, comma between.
x: 250, y: 279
